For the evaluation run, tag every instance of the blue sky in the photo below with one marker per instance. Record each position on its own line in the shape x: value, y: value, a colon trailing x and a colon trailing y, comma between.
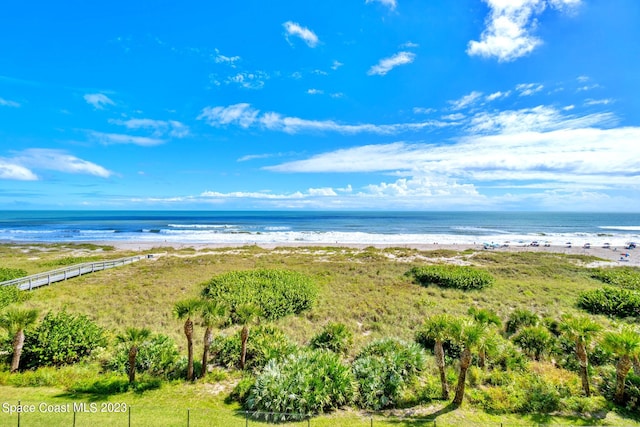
x: 376, y: 104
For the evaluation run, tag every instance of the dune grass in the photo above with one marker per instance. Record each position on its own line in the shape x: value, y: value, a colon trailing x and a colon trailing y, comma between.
x: 366, y: 289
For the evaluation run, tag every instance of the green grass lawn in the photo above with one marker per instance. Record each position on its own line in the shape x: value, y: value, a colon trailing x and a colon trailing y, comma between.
x: 365, y: 289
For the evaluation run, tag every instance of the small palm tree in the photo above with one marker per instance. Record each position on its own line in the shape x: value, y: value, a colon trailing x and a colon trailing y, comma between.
x: 581, y: 330
x: 210, y: 313
x: 15, y: 321
x: 535, y: 341
x: 187, y: 309
x: 471, y: 334
x: 624, y: 344
x: 134, y: 338
x: 441, y: 328
x: 488, y: 319
x: 245, y: 314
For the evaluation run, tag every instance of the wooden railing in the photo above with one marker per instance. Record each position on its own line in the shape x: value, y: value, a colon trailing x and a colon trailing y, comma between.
x: 49, y: 277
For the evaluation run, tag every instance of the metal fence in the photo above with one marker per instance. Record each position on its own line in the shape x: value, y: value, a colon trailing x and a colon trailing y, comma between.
x: 107, y: 414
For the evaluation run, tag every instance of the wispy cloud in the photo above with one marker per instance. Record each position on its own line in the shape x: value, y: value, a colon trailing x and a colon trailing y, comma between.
x: 222, y: 59
x: 509, y: 28
x: 8, y: 103
x: 245, y: 116
x: 606, y: 101
x: 497, y: 95
x: 98, y: 100
x: 22, y: 164
x: 336, y: 64
x: 159, y: 128
x: 297, y: 30
x: 391, y: 4
x: 387, y: 64
x: 465, y: 101
x: 315, y: 92
x: 118, y: 138
x: 528, y: 89
x: 249, y: 80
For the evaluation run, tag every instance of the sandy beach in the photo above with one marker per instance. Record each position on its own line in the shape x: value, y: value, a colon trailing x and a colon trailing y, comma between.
x: 614, y: 256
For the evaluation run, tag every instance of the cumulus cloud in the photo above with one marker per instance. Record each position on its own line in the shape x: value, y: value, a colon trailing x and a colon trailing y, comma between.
x: 8, y: 103
x: 22, y: 164
x: 98, y: 100
x: 297, y: 30
x: 245, y: 116
x: 510, y: 26
x: 387, y: 64
x: 249, y: 80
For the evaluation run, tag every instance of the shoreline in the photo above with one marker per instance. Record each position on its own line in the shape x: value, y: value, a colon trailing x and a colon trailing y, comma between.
x: 615, y: 255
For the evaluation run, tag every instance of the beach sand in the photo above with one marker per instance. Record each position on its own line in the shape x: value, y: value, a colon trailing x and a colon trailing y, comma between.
x: 614, y: 256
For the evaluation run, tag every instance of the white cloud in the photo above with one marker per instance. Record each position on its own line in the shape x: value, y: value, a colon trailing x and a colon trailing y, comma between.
x: 98, y: 100
x: 422, y: 110
x: 8, y: 103
x: 117, y: 138
x: 315, y: 92
x: 536, y: 119
x: 10, y: 170
x: 528, y: 89
x: 58, y: 160
x: 409, y: 45
x: 391, y: 4
x: 456, y: 116
x: 336, y: 64
x: 249, y: 80
x: 510, y: 25
x: 245, y: 116
x: 160, y: 128
x: 387, y: 64
x: 498, y: 95
x: 583, y: 157
x: 599, y: 101
x: 222, y: 59
x: 465, y: 101
x: 295, y: 29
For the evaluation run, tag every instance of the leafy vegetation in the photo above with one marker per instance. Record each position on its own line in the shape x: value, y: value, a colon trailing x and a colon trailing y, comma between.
x: 62, y: 339
x: 10, y: 295
x: 276, y: 293
x: 452, y: 276
x: 611, y: 301
x: 301, y: 385
x: 334, y: 337
x: 11, y: 273
x: 624, y: 277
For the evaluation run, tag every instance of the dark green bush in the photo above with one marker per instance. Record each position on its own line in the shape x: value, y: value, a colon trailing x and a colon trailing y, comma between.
x: 383, y: 369
x: 265, y: 343
x: 11, y: 273
x: 159, y: 357
x: 62, y: 339
x: 535, y: 341
x: 335, y: 337
x: 611, y: 301
x: 277, y: 293
x: 452, y: 276
x: 624, y: 277
x: 301, y: 385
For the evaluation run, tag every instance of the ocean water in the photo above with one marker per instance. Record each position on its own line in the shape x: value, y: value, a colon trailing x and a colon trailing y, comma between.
x: 249, y: 227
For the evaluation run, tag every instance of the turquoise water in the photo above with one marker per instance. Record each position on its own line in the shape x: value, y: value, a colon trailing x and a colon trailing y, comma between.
x: 318, y: 227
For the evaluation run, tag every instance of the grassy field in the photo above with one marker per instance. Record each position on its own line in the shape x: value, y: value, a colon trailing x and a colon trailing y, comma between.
x: 366, y: 289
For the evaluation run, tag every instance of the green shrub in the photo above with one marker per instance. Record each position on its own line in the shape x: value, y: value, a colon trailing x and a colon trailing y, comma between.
x: 335, y: 337
x: 611, y: 301
x: 159, y: 357
x: 11, y: 273
x: 624, y: 277
x: 240, y: 392
x: 383, y: 369
x: 62, y: 339
x: 301, y: 385
x: 10, y: 295
x: 277, y: 293
x: 265, y: 343
x: 452, y: 276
